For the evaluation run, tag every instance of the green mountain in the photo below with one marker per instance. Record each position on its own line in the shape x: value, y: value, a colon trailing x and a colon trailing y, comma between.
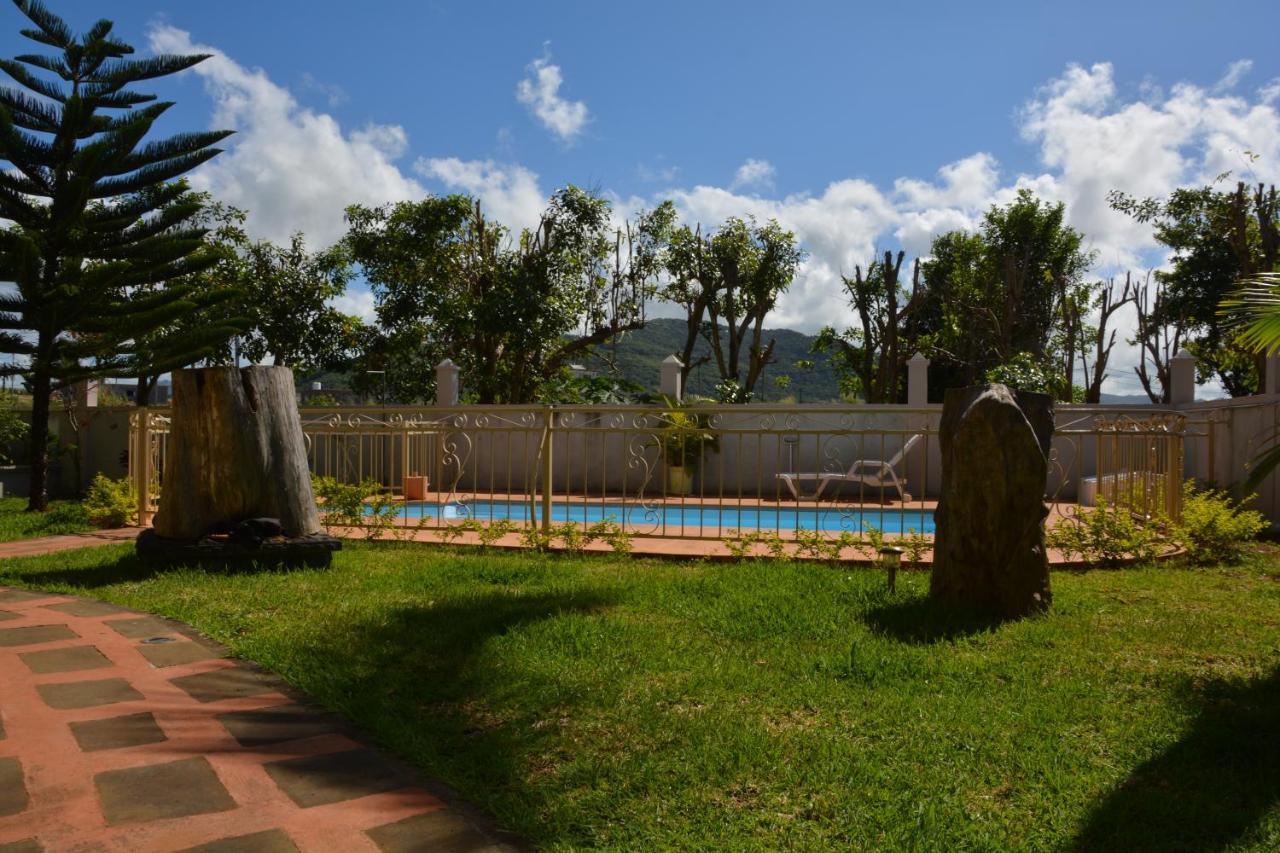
x: 638, y: 356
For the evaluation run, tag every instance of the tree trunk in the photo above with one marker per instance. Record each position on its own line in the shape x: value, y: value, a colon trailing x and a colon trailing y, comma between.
x: 236, y: 451
x: 41, y: 385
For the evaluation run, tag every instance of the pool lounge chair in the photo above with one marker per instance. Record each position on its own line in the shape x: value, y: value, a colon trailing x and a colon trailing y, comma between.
x: 868, y: 472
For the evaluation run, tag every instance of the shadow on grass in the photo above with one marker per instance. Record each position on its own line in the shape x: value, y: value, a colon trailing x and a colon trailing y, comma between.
x: 922, y: 621
x: 1208, y: 790
x: 419, y: 680
x: 37, y: 573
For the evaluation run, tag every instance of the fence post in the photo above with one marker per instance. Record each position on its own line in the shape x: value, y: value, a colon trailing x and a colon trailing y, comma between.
x: 918, y: 396
x: 917, y: 380
x: 1271, y: 375
x: 143, y: 466
x: 446, y: 383
x: 1182, y: 378
x: 671, y: 380
x: 547, y: 438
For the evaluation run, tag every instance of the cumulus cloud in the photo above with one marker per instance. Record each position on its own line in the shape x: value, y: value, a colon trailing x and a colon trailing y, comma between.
x: 508, y: 193
x: 754, y: 173
x: 1090, y: 140
x: 540, y: 93
x: 290, y: 167
x: 295, y: 168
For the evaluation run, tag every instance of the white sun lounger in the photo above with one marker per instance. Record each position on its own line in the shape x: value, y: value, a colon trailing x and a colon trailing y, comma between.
x: 875, y: 473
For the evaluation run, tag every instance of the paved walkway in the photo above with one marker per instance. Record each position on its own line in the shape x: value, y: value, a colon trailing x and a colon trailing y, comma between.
x: 123, y: 731
x: 67, y: 542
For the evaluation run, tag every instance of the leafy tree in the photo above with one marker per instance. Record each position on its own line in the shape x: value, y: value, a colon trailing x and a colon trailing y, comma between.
x: 287, y: 294
x: 1216, y: 237
x: 727, y: 282
x: 997, y: 297
x: 216, y: 294
x: 512, y: 313
x: 96, y: 229
x: 870, y: 361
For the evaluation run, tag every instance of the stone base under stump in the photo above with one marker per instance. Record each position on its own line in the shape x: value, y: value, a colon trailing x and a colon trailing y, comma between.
x: 314, y: 551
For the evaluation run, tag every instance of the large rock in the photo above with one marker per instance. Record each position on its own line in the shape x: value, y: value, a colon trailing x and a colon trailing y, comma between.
x: 989, y: 550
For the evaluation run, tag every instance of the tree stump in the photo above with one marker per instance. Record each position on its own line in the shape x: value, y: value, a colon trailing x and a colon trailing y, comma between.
x: 989, y: 551
x: 236, y: 465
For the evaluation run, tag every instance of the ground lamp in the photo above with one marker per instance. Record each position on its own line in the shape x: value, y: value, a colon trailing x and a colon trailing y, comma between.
x: 890, y: 558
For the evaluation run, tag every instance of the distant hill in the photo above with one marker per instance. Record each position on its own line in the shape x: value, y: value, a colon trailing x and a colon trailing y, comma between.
x: 638, y: 356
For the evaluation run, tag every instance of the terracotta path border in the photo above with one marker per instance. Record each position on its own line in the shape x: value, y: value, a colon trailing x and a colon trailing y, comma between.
x: 123, y: 731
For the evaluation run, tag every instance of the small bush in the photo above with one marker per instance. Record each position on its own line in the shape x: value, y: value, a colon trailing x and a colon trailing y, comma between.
x: 1214, y: 528
x: 67, y: 517
x: 915, y: 544
x: 1106, y: 536
x: 110, y: 503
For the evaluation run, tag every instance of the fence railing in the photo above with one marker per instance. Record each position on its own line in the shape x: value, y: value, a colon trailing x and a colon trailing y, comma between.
x: 697, y: 472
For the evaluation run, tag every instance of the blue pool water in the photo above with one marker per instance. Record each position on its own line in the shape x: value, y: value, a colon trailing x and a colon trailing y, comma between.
x: 672, y: 517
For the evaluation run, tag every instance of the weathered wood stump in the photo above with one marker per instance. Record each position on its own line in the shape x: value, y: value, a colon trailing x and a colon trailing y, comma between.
x: 989, y: 547
x: 236, y: 480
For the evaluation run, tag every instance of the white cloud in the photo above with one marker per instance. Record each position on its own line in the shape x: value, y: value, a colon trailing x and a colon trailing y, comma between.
x: 540, y: 92
x: 1235, y: 72
x: 358, y: 302
x: 333, y: 94
x: 754, y: 173
x: 1090, y: 141
x: 290, y: 167
x: 508, y: 193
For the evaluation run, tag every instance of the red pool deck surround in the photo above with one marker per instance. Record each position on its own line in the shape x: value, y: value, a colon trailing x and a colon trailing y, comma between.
x: 124, y: 732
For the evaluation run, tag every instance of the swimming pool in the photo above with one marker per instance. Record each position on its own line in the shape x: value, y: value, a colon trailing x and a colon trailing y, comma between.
x: 670, y: 518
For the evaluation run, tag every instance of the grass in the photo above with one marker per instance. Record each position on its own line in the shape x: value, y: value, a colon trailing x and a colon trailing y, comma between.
x: 62, y: 517
x: 597, y: 702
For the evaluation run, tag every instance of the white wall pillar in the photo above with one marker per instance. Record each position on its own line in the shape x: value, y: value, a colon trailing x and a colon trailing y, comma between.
x: 1182, y: 378
x: 917, y: 380
x: 447, y: 383
x: 671, y: 380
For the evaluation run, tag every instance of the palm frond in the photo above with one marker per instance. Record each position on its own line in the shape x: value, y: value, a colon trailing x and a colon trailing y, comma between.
x: 1255, y: 308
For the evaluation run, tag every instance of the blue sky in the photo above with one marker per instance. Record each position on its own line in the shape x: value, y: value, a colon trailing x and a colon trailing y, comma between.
x: 862, y: 126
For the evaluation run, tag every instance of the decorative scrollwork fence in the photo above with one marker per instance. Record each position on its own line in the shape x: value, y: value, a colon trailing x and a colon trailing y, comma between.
x: 696, y: 472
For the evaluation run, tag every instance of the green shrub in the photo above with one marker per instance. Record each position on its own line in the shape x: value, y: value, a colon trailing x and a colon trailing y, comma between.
x: 13, y: 427
x: 110, y: 503
x: 1105, y: 536
x: 1214, y: 528
x: 364, y: 504
x: 66, y: 517
x: 914, y: 544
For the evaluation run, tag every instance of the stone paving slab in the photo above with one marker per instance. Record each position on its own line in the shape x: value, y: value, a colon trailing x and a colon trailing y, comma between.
x: 117, y: 732
x: 115, y: 743
x: 27, y: 845
x: 161, y: 791
x: 31, y: 635
x: 13, y: 787
x: 140, y: 628
x: 267, y: 841
x: 234, y: 682
x: 276, y: 724
x: 87, y: 694
x: 175, y: 654
x: 70, y: 659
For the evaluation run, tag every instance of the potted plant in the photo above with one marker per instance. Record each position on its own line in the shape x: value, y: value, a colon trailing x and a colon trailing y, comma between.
x: 683, y: 440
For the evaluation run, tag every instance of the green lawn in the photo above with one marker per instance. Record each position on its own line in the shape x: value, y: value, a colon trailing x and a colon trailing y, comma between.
x: 602, y: 702
x: 62, y: 517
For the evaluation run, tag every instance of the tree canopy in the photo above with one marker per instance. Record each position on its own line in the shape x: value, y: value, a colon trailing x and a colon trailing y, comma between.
x: 511, y: 310
x: 99, y: 225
